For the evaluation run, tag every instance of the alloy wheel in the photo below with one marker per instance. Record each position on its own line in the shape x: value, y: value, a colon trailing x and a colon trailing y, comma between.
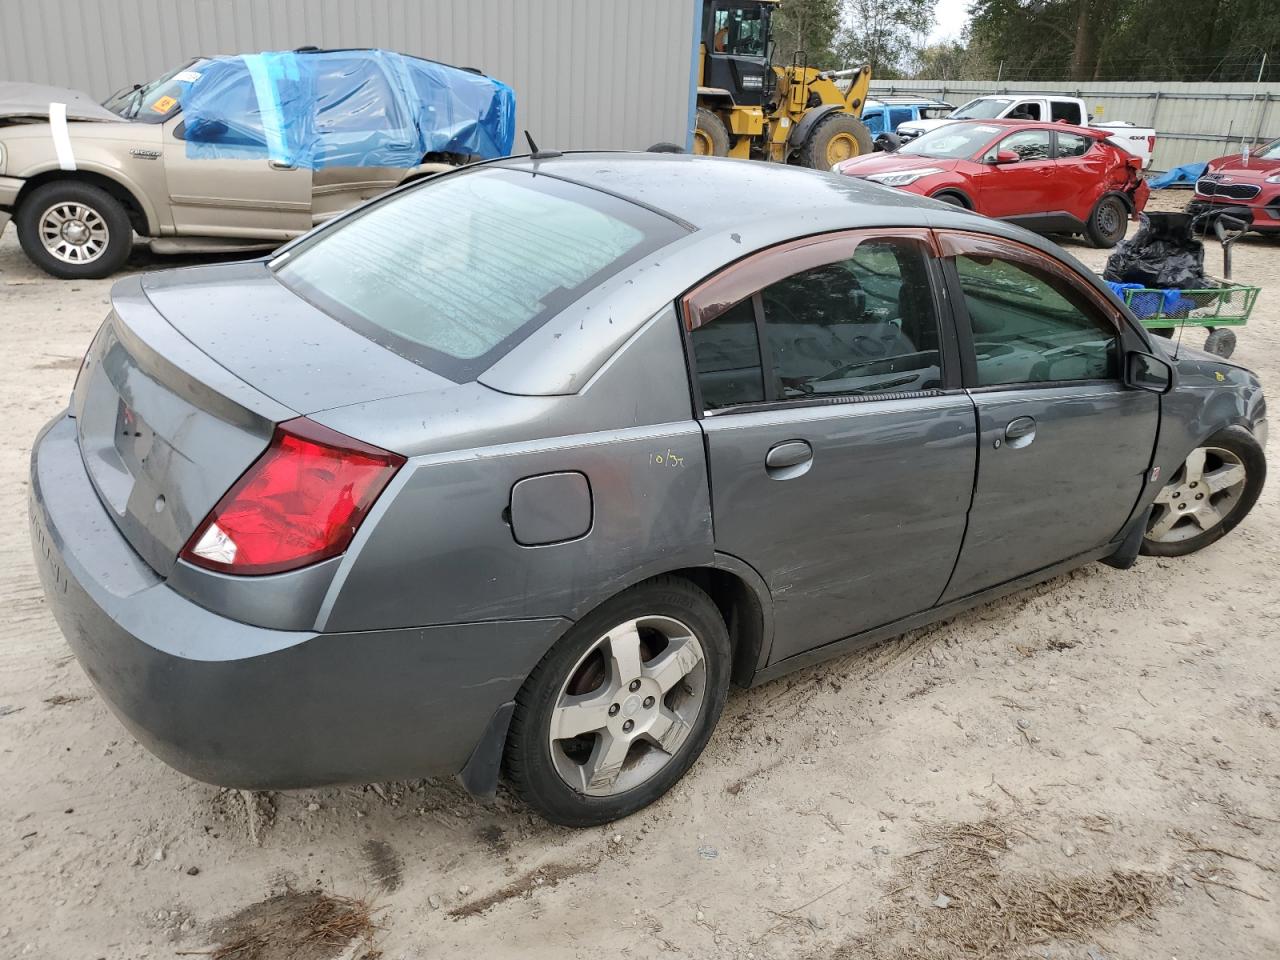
x: 1199, y: 497
x: 628, y: 705
x: 74, y: 232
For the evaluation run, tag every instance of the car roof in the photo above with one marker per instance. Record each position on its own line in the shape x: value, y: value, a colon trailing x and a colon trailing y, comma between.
x: 1034, y: 125
x: 902, y: 99
x: 736, y: 207
x: 716, y: 193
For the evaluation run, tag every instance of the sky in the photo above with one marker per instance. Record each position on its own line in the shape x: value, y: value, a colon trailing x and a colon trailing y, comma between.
x: 949, y: 18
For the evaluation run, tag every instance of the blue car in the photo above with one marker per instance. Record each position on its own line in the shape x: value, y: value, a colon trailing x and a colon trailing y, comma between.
x: 883, y: 115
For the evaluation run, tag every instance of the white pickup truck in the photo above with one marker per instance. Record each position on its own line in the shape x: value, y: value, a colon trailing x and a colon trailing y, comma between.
x: 1140, y: 141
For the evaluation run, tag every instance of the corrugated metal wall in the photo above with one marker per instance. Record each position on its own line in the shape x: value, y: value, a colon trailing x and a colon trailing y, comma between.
x: 1193, y: 121
x: 587, y: 73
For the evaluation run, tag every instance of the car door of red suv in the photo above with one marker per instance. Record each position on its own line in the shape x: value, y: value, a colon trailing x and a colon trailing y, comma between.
x: 1080, y: 176
x: 1024, y: 187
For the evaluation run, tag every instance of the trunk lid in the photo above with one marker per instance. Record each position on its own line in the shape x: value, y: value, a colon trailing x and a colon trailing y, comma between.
x: 241, y: 317
x: 185, y: 382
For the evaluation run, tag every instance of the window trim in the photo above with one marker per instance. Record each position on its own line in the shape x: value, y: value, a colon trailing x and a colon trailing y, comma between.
x: 953, y: 243
x: 1090, y: 143
x: 1032, y: 102
x: 745, y: 278
x: 1050, y: 134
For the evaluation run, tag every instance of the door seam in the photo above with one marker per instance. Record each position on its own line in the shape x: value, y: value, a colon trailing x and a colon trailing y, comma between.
x: 973, y: 496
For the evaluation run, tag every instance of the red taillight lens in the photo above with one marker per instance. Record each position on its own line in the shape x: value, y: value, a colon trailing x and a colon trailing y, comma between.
x: 300, y: 502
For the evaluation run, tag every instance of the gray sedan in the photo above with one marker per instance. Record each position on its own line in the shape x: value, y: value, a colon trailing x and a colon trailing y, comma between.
x: 518, y: 469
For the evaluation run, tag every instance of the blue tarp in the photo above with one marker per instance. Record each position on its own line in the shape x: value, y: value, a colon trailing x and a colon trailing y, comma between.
x: 343, y: 108
x: 1187, y: 173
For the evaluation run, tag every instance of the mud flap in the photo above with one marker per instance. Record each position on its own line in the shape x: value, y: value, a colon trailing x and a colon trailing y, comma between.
x: 1127, y: 553
x: 480, y: 776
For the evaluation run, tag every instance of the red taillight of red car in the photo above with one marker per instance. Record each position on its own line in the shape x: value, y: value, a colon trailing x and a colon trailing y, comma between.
x: 301, y: 502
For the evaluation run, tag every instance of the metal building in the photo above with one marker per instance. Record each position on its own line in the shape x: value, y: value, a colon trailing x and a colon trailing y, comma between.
x: 587, y: 73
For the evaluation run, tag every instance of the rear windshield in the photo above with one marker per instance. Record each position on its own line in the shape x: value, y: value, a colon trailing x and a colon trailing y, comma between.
x: 454, y: 273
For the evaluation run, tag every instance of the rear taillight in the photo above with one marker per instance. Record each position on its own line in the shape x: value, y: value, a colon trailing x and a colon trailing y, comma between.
x: 1151, y: 144
x: 301, y: 502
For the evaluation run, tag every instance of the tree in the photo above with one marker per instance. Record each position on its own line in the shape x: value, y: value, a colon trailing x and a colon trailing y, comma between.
x: 1129, y: 39
x: 883, y: 33
x: 962, y: 59
x: 809, y: 27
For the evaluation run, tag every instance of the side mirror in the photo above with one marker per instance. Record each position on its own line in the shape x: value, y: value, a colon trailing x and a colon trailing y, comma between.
x: 1142, y: 371
x: 1004, y: 156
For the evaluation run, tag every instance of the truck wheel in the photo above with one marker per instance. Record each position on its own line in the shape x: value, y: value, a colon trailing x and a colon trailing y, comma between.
x: 621, y: 706
x: 838, y: 137
x: 1221, y: 342
x: 74, y: 230
x: 1107, y: 223
x: 710, y: 136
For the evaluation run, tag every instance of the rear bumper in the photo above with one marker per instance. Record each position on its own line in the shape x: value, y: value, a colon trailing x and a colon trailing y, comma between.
x: 243, y: 706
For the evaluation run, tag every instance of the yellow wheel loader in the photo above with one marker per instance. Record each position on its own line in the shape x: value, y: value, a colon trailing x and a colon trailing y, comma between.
x: 747, y: 107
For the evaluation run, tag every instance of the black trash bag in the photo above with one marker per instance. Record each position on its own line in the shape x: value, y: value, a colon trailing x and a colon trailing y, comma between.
x: 1164, y: 254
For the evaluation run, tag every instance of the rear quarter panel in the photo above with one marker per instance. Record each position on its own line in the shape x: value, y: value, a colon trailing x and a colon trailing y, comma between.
x: 439, y: 546
x: 441, y: 549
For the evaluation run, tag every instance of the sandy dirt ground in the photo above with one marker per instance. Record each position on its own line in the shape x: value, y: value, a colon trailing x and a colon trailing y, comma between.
x: 1090, y: 769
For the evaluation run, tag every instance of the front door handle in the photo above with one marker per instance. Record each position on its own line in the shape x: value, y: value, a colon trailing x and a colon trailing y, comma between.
x: 1020, y: 431
x: 281, y: 165
x: 788, y: 459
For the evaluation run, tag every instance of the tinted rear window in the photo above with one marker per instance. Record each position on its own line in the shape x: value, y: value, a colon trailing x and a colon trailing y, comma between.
x: 456, y: 272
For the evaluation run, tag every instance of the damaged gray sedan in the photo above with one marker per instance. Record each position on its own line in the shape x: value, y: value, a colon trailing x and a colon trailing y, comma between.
x: 519, y: 469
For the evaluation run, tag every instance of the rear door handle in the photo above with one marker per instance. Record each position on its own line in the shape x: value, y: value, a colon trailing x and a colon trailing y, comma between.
x: 788, y: 459
x: 281, y: 165
x: 1020, y: 431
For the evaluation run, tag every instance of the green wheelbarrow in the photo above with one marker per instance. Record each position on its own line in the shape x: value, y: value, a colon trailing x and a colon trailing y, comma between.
x: 1217, y: 307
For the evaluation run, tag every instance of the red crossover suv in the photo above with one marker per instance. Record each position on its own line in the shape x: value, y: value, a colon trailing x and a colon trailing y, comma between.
x: 1246, y: 187
x: 1050, y: 177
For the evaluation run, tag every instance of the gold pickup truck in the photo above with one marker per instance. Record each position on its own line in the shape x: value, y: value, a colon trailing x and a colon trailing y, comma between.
x: 79, y: 178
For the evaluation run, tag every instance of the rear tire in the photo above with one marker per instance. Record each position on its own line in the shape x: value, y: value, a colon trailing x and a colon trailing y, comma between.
x: 74, y: 230
x: 710, y: 136
x: 1211, y: 477
x: 588, y: 683
x: 1107, y: 222
x: 837, y: 137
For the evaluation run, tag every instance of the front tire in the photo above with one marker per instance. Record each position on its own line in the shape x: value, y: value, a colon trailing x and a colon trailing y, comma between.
x: 1208, y: 496
x: 74, y: 230
x: 1107, y: 222
x: 710, y: 135
x: 837, y: 137
x: 622, y: 706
